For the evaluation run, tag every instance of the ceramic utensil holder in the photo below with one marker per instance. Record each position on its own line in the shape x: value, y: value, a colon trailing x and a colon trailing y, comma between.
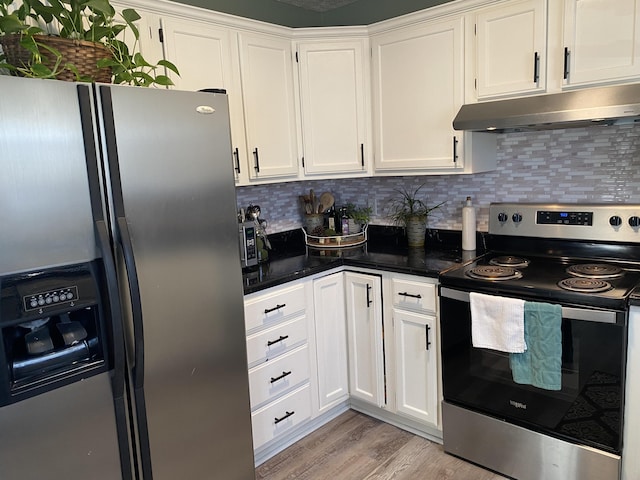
x: 313, y: 221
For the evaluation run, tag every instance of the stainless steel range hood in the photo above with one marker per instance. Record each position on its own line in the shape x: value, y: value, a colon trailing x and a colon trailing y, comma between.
x: 578, y: 108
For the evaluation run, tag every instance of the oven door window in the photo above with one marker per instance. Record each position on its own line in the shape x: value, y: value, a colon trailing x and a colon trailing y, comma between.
x: 587, y: 409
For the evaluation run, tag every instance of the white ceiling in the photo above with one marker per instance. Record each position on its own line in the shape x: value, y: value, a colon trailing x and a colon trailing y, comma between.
x: 318, y: 5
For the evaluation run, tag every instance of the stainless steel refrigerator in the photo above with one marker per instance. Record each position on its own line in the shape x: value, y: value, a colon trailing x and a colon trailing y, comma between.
x: 121, y: 310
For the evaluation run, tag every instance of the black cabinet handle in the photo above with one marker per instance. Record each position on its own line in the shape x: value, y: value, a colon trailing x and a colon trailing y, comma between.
x: 277, y: 307
x: 369, y: 301
x: 427, y: 335
x: 273, y: 342
x: 237, y: 155
x: 362, y: 153
x: 536, y: 67
x: 275, y: 379
x: 455, y: 149
x: 287, y: 415
x: 566, y: 63
x: 412, y: 295
x: 257, y: 157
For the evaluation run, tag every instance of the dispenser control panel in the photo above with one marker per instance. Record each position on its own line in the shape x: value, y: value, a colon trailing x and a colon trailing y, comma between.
x: 51, y: 298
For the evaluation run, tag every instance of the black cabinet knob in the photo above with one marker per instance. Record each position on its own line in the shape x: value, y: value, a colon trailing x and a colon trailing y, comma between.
x: 502, y: 217
x: 615, y: 221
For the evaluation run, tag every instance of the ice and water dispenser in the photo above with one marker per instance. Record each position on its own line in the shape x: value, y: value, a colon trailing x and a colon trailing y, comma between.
x: 51, y: 330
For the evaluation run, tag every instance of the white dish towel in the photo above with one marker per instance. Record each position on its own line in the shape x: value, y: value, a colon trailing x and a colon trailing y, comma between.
x: 497, y: 323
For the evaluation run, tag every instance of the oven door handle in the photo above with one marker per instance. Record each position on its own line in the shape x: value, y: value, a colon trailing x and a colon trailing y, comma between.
x: 570, y: 313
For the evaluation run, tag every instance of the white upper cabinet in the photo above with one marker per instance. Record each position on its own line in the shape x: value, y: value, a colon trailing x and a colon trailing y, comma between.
x: 333, y: 98
x: 266, y: 65
x: 207, y: 57
x: 511, y: 52
x: 148, y: 42
x: 602, y: 41
x: 418, y: 89
x: 203, y: 53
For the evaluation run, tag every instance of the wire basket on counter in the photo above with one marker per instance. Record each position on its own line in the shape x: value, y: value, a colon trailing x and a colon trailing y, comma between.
x: 336, y: 241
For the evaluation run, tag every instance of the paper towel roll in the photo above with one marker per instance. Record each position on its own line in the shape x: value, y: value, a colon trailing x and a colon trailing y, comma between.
x: 468, y: 226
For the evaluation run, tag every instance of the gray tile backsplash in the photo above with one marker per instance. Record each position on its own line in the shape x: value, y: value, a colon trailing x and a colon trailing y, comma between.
x: 595, y: 164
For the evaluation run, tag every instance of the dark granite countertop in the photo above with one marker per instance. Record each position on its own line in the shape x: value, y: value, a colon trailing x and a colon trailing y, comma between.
x: 386, y: 250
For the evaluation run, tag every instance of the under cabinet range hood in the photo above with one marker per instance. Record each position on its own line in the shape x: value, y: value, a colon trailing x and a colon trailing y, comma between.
x: 577, y: 108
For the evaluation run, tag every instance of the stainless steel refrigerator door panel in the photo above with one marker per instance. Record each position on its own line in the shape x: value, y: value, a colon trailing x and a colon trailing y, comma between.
x: 179, y: 201
x: 44, y: 192
x: 67, y: 433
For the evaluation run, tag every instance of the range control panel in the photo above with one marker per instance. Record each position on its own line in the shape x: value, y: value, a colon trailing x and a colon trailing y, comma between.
x: 600, y: 222
x: 565, y: 218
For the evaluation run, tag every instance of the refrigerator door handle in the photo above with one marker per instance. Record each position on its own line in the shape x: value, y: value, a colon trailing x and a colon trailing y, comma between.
x: 124, y: 239
x: 136, y: 304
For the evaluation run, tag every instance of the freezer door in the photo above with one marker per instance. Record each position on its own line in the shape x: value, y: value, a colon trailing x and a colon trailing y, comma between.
x: 175, y: 205
x: 63, y: 434
x: 45, y: 212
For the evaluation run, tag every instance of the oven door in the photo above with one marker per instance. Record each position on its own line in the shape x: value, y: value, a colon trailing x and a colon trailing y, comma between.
x: 587, y: 409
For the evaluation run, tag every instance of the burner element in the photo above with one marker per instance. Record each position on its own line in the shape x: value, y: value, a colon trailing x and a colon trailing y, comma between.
x: 509, y: 261
x: 584, y: 285
x: 494, y: 272
x: 595, y: 270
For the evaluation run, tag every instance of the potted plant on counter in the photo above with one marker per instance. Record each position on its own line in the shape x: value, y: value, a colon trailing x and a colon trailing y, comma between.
x: 75, y: 40
x: 411, y: 212
x: 358, y: 217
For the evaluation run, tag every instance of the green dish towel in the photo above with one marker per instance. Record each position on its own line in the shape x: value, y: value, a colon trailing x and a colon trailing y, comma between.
x: 541, y: 364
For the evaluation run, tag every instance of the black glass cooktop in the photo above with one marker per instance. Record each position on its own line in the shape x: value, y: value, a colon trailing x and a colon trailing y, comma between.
x: 547, y: 278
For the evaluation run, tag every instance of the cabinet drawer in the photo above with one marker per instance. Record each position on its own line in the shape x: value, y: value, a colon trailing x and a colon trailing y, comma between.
x: 414, y: 295
x: 270, y: 379
x: 281, y: 416
x: 268, y: 344
x: 272, y: 307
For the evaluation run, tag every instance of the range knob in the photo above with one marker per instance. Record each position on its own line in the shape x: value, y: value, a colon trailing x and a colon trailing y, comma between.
x: 502, y: 217
x: 517, y: 217
x: 634, y: 221
x: 615, y: 221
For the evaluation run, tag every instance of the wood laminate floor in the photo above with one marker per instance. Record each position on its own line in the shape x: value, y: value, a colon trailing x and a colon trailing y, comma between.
x: 355, y: 446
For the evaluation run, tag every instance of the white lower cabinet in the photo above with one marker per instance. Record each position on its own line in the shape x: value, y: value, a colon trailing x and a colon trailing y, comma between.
x: 279, y: 360
x: 365, y: 340
x: 321, y: 344
x: 331, y: 340
x: 415, y: 329
x: 416, y: 365
x: 281, y: 416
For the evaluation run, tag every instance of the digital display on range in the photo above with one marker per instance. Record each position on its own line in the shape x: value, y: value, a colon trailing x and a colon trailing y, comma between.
x: 564, y: 218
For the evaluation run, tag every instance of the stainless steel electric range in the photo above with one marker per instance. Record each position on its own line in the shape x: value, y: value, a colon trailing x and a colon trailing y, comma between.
x: 586, y: 260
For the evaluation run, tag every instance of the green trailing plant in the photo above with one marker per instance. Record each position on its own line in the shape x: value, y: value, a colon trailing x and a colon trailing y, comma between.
x: 410, y: 205
x: 89, y: 20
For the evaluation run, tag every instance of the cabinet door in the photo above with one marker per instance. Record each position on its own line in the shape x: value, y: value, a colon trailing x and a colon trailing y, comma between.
x: 416, y: 365
x: 331, y: 340
x: 418, y: 90
x: 511, y: 49
x: 365, y: 342
x: 332, y: 95
x: 269, y: 110
x: 148, y: 43
x: 207, y: 57
x: 602, y: 40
